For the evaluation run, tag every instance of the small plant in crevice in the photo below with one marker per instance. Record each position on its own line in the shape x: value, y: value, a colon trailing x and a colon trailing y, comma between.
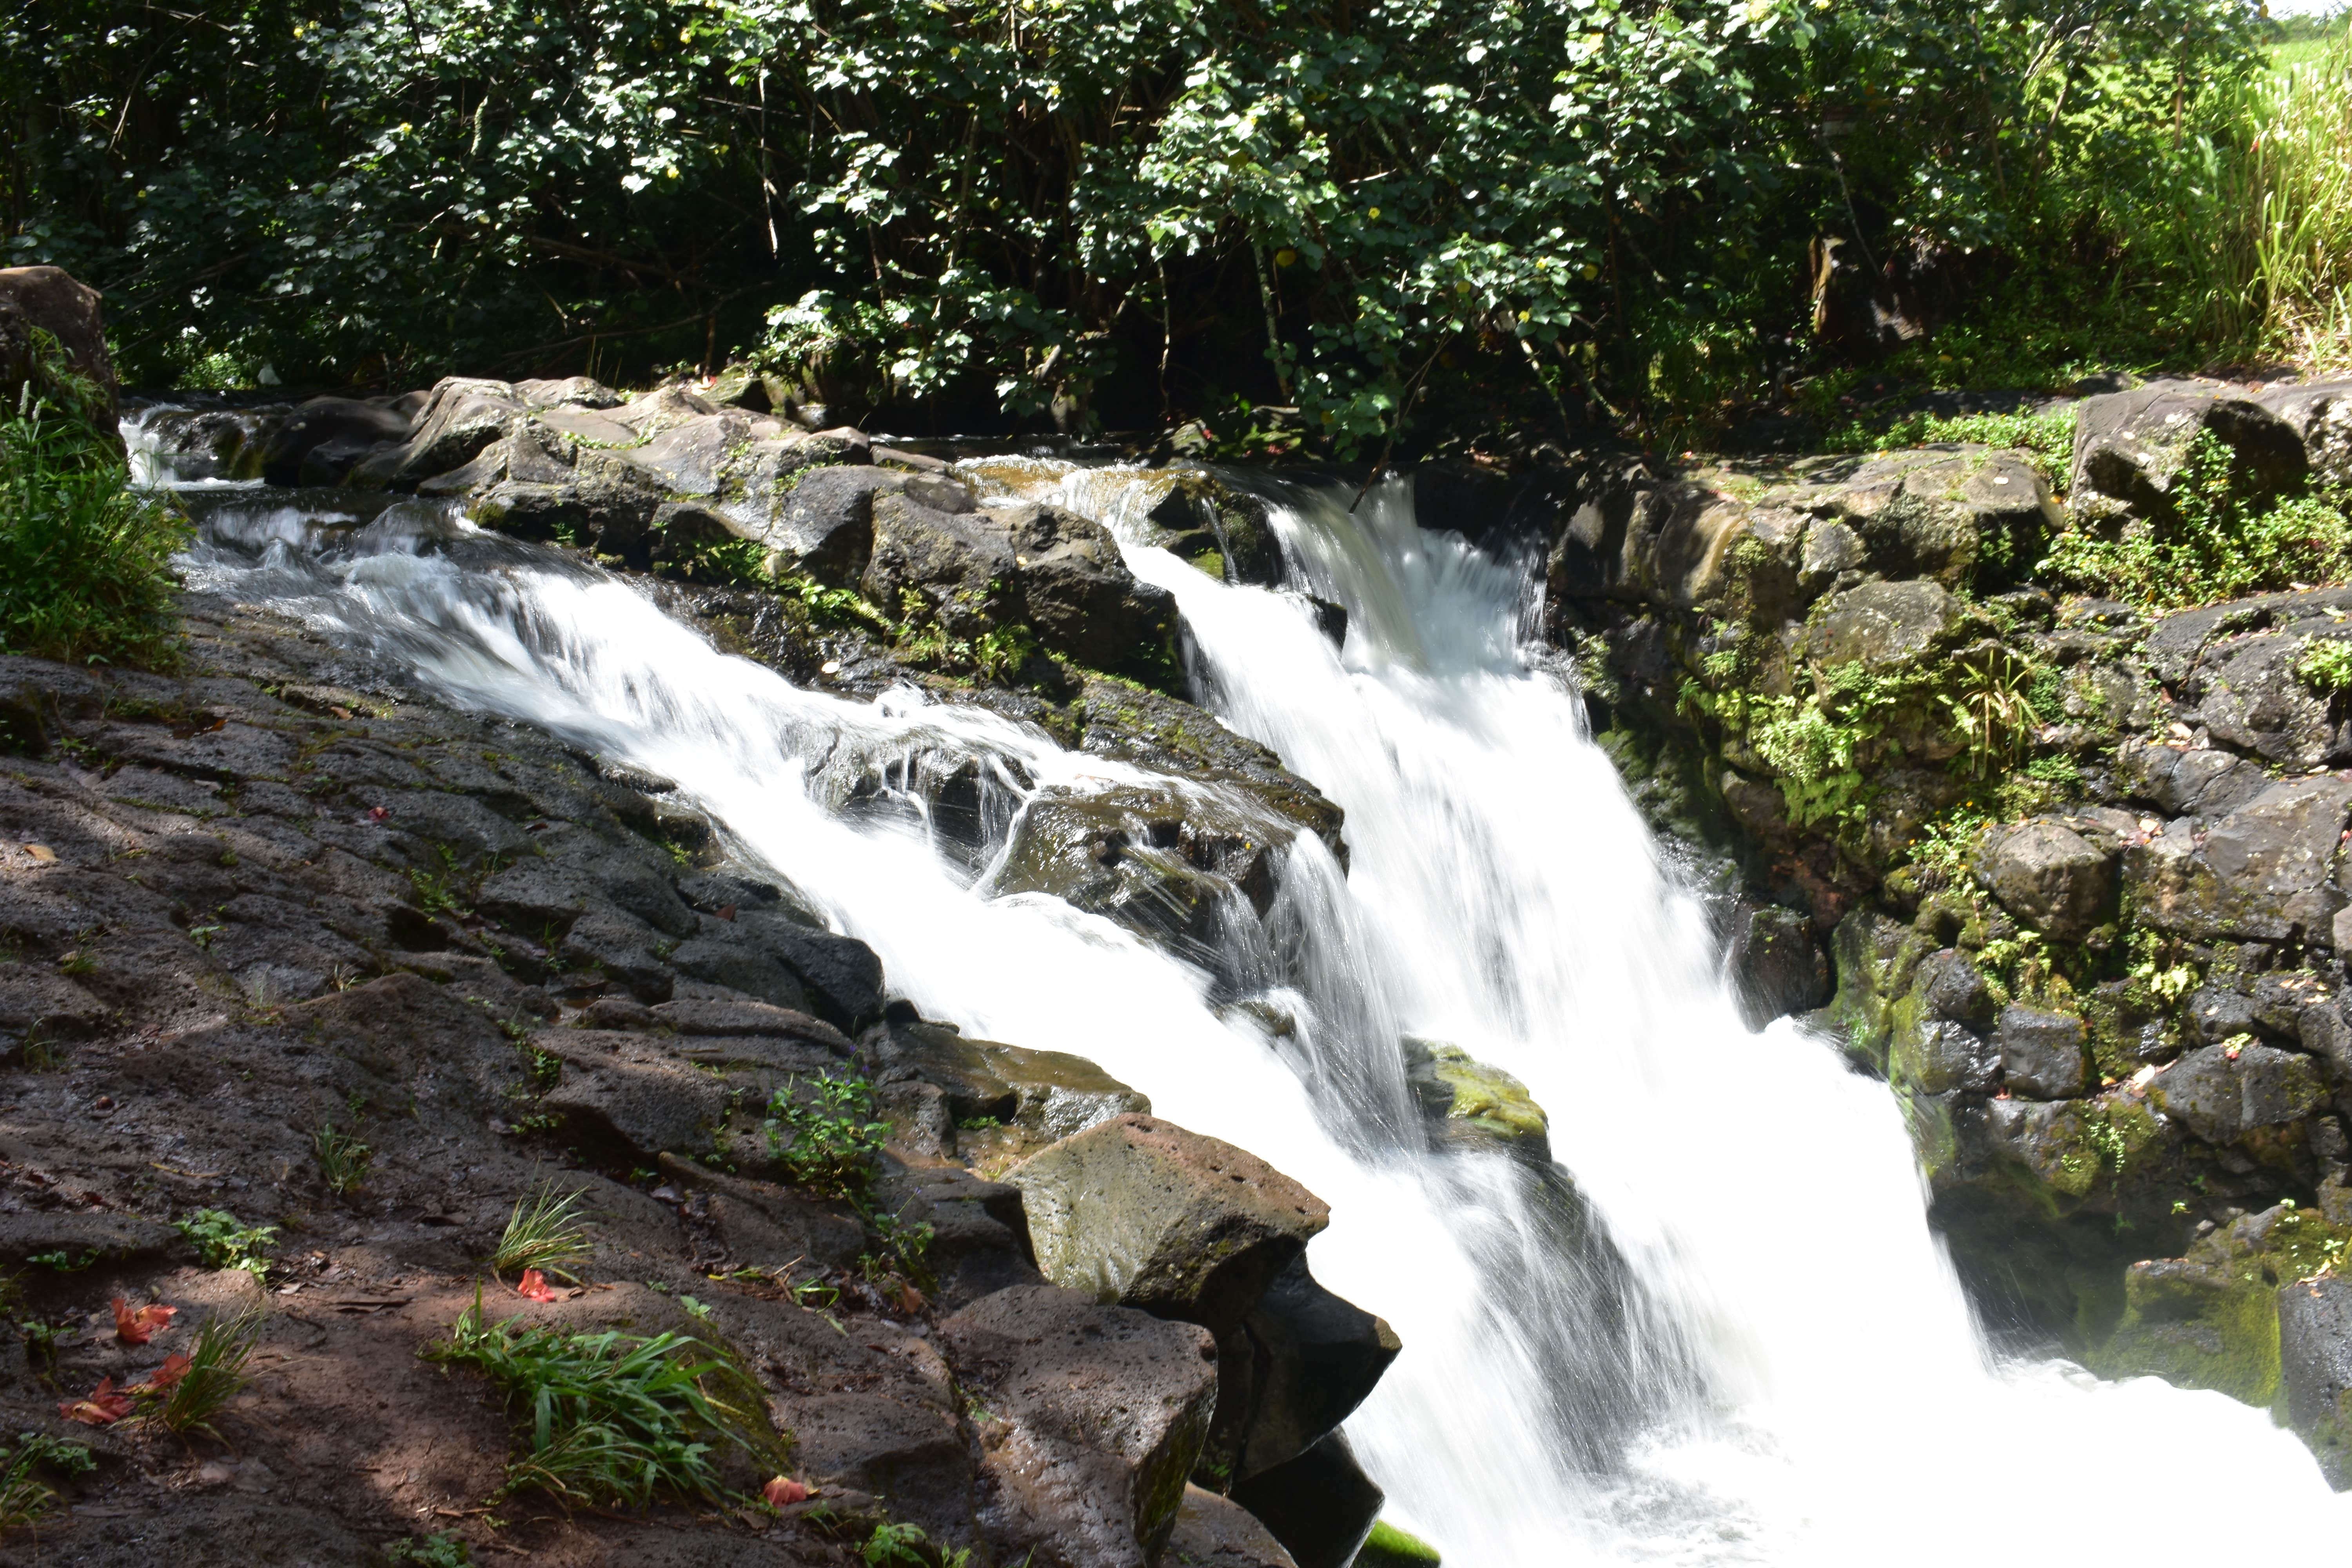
x: 226, y: 1242
x: 827, y: 1143
x: 894, y: 1544
x: 544, y: 1232
x: 1991, y: 708
x: 213, y: 1373
x: 2325, y: 666
x: 343, y: 1160
x: 441, y: 1551
x: 25, y: 1497
x: 608, y: 1417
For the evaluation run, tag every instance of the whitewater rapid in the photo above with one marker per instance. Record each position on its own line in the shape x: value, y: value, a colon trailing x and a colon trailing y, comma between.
x: 1782, y: 1372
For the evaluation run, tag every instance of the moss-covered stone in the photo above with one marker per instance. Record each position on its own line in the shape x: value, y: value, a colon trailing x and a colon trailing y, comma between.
x: 1390, y: 1547
x: 1470, y: 1100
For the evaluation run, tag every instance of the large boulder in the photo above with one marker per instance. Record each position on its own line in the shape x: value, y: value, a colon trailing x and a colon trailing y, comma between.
x: 2320, y: 415
x: 1141, y: 1212
x: 320, y: 441
x: 1300, y: 1363
x: 1775, y: 963
x: 2229, y: 1094
x: 47, y: 301
x: 2042, y: 1053
x: 1090, y: 1417
x: 462, y: 415
x: 824, y: 525
x: 1171, y: 866
x: 999, y: 1103
x: 1930, y: 512
x: 1214, y: 1531
x: 2128, y: 446
x: 1884, y: 626
x: 2262, y: 873
x: 2051, y: 876
x: 1320, y: 1505
x: 953, y: 567
x: 1077, y: 594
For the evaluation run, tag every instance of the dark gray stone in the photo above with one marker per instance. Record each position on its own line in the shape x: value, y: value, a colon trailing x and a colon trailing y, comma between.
x: 1320, y: 1505
x: 2315, y: 1369
x: 2050, y: 877
x: 1953, y: 988
x: 2041, y: 1054
x: 1776, y: 963
x: 2219, y: 1099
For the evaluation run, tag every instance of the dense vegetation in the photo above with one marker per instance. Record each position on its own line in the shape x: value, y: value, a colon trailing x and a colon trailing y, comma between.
x: 85, y: 563
x: 1119, y: 211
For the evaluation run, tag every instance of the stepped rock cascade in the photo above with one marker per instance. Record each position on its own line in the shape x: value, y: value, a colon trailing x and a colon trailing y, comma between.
x: 1719, y: 1331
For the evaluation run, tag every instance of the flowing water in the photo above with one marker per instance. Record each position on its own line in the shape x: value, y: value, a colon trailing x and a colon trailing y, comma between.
x: 1741, y: 1344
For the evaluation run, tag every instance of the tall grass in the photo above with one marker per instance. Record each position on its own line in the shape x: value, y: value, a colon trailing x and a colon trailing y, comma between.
x: 85, y: 562
x: 2288, y: 179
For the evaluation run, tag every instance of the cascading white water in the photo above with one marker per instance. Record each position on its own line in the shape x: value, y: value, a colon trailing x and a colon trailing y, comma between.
x: 1792, y: 1377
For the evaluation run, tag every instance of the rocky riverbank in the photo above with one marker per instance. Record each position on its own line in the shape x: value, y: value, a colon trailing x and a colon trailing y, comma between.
x: 277, y: 908
x: 2065, y: 871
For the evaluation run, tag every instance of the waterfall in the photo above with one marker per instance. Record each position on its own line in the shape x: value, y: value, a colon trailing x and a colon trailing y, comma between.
x: 1738, y: 1343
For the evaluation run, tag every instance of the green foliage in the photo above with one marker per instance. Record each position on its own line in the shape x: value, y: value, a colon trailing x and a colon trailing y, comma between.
x: 2325, y: 666
x: 906, y: 1543
x: 543, y: 1232
x: 1390, y: 1547
x: 2224, y: 539
x: 215, y: 1373
x: 2287, y: 189
x: 1990, y: 707
x: 442, y: 1551
x: 1048, y: 208
x: 605, y: 1418
x: 25, y: 1498
x: 85, y: 563
x: 342, y: 1159
x: 224, y: 1243
x: 2047, y: 439
x: 827, y: 1143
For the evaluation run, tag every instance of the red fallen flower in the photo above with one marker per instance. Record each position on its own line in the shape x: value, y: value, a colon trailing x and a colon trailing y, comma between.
x: 782, y: 1492
x: 106, y: 1406
x: 175, y: 1367
x: 379, y: 813
x: 137, y: 1328
x: 534, y: 1286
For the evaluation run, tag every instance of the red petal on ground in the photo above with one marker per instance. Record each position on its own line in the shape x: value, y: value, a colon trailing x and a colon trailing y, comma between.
x: 174, y: 1367
x: 782, y: 1490
x: 137, y: 1328
x: 534, y: 1286
x: 104, y: 1406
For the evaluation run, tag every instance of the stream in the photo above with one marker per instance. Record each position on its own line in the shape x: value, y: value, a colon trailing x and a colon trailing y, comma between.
x: 1723, y: 1333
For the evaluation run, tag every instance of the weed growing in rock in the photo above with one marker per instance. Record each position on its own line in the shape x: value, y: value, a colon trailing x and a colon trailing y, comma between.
x: 224, y: 1243
x: 342, y: 1159
x: 2047, y: 439
x: 1993, y: 709
x: 906, y: 1544
x: 214, y: 1373
x: 607, y: 1417
x: 828, y: 1143
x: 24, y: 1496
x: 544, y: 1232
x: 2325, y: 666
x: 84, y: 563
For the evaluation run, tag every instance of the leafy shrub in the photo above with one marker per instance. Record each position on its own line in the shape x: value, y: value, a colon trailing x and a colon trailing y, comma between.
x: 826, y: 1144
x: 2326, y: 665
x: 224, y: 1243
x: 605, y: 1418
x: 85, y: 563
x: 2224, y: 539
x: 2047, y: 439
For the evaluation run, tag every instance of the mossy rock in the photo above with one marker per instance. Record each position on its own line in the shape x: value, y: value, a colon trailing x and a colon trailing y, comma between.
x: 1389, y: 1547
x: 1468, y: 1099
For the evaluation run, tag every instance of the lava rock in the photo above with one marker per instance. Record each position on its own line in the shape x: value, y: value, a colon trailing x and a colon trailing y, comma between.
x: 2042, y: 1053
x: 2051, y: 876
x: 1320, y: 1505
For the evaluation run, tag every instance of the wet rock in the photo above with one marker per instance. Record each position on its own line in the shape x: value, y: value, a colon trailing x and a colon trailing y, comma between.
x: 1320, y: 1505
x: 1170, y: 866
x: 957, y: 568
x: 1032, y: 1098
x: 348, y: 424
x: 2042, y: 1053
x: 1078, y: 596
x: 1092, y: 1417
x: 1469, y: 1101
x: 1141, y: 1212
x: 2261, y: 873
x: 2316, y: 1368
x: 460, y: 417
x: 1775, y: 963
x: 1922, y: 513
x: 1299, y: 1364
x: 1212, y: 1532
x: 1226, y: 532
x: 1952, y: 988
x: 1939, y: 1057
x: 2050, y: 875
x: 575, y: 390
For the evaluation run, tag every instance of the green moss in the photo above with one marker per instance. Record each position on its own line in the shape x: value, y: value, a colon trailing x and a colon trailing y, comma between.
x: 1389, y: 1547
x: 2196, y: 1327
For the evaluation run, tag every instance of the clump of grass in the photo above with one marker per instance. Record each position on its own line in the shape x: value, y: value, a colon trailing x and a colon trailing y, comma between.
x: 827, y: 1143
x: 2047, y: 439
x: 226, y: 1242
x: 893, y: 1542
x: 85, y: 562
x: 343, y: 1160
x: 2325, y: 666
x: 441, y: 1551
x: 24, y: 1496
x: 215, y: 1375
x: 605, y: 1418
x: 544, y: 1232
